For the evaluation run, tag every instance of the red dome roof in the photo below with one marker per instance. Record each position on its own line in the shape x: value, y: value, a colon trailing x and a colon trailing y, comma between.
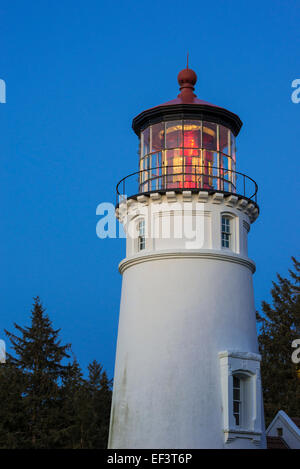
x: 180, y: 100
x: 187, y: 79
x: 187, y: 106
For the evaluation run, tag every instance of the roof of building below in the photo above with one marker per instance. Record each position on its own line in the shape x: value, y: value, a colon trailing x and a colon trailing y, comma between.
x: 276, y: 442
x: 296, y: 421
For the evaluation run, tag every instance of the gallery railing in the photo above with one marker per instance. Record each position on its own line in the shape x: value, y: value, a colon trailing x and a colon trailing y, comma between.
x: 187, y: 177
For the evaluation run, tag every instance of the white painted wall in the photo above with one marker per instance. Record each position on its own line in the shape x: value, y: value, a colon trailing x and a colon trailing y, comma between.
x: 164, y: 228
x: 179, y: 308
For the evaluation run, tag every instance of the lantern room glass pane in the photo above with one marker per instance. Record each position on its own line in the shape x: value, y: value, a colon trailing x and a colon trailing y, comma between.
x: 192, y: 153
x: 173, y: 168
x: 154, y: 174
x: 232, y: 146
x: 209, y: 136
x: 208, y: 162
x: 224, y: 136
x: 225, y: 173
x: 146, y: 142
x: 174, y: 157
x: 192, y: 134
x: 153, y: 163
x: 158, y: 137
x: 174, y: 134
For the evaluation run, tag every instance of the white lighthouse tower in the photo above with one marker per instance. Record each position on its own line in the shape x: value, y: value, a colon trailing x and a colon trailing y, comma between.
x: 187, y: 371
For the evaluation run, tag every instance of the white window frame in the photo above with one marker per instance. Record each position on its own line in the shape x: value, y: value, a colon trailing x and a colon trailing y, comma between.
x: 141, y: 235
x: 246, y: 366
x: 227, y: 218
x: 238, y: 415
x: 233, y: 231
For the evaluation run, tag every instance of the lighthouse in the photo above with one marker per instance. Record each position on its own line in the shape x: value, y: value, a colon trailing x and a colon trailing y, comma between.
x: 187, y: 371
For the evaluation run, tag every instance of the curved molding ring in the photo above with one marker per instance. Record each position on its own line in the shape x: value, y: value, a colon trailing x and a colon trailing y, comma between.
x: 185, y: 254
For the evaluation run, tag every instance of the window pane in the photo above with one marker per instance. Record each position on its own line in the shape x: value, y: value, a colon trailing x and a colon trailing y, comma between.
x: 174, y: 134
x: 158, y: 136
x: 173, y: 157
x: 226, y: 228
x: 225, y: 240
x: 207, y: 171
x: 192, y: 154
x: 146, y: 141
x: 237, y: 419
x: 225, y: 164
x: 232, y: 146
x: 224, y: 135
x: 236, y: 399
x: 142, y: 227
x: 141, y: 243
x: 153, y: 160
x: 192, y: 169
x: 145, y: 174
x: 192, y: 134
x: 141, y: 238
x: 192, y: 160
x: 209, y: 136
x: 146, y: 162
x: 174, y: 170
x: 141, y: 164
x: 236, y: 407
x: 154, y: 171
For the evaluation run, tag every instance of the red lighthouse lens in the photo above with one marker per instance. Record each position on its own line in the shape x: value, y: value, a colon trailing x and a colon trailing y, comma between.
x: 192, y: 161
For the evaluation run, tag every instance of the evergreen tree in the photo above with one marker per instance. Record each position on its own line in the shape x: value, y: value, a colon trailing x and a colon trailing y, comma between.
x: 279, y: 327
x: 73, y: 399
x: 39, y: 354
x: 106, y: 397
x: 12, y: 426
x: 45, y: 404
x: 98, y: 390
x: 87, y: 407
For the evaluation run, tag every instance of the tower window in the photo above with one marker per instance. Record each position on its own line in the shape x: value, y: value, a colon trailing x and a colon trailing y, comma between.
x: 225, y: 232
x: 241, y: 394
x: 141, y: 237
x: 237, y: 404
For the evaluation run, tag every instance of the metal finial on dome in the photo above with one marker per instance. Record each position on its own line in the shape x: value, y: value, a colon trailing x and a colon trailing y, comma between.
x: 187, y: 79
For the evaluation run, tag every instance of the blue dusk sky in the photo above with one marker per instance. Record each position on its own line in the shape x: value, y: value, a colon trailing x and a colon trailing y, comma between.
x: 77, y: 72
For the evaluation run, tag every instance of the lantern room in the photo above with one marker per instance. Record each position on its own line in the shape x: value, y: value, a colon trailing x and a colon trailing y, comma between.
x: 187, y: 154
x: 187, y: 144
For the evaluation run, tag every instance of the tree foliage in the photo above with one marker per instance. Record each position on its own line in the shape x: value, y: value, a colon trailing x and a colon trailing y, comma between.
x: 45, y: 401
x: 279, y: 327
